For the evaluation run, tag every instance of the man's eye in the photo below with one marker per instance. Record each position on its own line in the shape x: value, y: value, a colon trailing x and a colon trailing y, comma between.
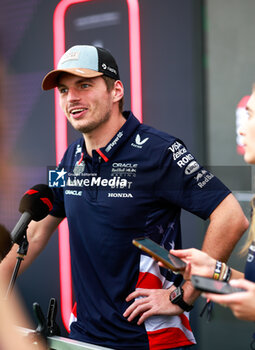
x: 62, y: 90
x: 84, y: 85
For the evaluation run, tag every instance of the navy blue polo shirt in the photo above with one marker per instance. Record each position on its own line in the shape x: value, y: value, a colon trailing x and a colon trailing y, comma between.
x: 135, y: 186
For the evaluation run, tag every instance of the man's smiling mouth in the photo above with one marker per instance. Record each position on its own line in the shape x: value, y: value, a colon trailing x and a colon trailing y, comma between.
x: 77, y: 110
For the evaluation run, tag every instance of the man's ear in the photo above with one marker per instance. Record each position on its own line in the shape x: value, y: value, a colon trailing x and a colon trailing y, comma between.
x: 118, y: 91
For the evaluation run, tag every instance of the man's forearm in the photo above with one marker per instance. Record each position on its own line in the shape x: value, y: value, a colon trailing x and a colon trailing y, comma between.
x: 227, y: 225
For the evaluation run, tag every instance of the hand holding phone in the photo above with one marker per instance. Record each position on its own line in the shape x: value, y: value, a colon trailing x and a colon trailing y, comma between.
x: 213, y: 286
x: 160, y: 254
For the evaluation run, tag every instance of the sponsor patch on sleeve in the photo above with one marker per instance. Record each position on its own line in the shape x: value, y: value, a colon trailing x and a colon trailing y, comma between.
x: 183, y: 158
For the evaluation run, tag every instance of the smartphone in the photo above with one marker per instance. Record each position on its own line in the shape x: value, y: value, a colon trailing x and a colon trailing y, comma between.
x: 159, y: 253
x: 213, y: 286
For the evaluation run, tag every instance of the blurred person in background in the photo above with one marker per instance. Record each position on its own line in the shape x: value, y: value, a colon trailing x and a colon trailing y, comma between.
x: 199, y: 263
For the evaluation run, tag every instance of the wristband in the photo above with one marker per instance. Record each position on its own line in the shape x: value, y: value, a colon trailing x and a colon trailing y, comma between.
x: 217, y: 270
x: 223, y: 271
x: 227, y: 274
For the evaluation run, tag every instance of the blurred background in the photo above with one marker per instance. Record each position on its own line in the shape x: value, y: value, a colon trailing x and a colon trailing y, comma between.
x: 198, y: 62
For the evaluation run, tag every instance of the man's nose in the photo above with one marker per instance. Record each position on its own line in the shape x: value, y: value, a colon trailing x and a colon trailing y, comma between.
x: 73, y: 95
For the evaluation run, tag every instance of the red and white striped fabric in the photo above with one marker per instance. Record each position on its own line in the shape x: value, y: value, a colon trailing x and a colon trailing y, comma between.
x: 163, y: 332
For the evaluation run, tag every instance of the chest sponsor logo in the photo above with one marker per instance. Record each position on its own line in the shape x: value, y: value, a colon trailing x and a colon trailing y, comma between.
x: 139, y: 142
x: 120, y: 195
x: 124, y: 169
x: 73, y: 192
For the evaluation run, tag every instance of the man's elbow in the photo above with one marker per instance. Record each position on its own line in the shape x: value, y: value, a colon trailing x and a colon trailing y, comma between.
x: 230, y: 214
x: 243, y: 223
x: 239, y: 222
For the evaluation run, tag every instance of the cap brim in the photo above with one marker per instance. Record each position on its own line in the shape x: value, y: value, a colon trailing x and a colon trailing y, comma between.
x: 50, y: 80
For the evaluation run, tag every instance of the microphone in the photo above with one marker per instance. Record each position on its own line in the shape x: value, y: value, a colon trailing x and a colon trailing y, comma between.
x: 35, y: 205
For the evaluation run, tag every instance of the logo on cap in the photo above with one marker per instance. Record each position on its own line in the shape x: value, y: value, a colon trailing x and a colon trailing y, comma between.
x: 110, y: 69
x: 73, y: 55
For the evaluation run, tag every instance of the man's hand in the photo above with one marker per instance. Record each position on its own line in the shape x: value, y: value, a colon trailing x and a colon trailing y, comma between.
x: 151, y: 302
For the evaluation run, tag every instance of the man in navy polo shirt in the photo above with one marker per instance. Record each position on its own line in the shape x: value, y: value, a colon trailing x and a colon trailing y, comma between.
x: 126, y: 180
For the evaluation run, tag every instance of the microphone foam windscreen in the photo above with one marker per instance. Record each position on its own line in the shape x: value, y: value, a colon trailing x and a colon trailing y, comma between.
x: 38, y: 201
